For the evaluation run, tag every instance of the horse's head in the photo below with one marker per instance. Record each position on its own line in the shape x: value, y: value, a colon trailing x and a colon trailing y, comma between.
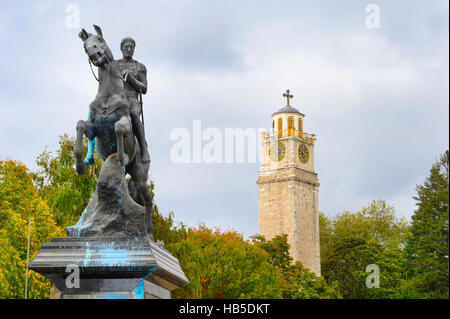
x: 95, y: 46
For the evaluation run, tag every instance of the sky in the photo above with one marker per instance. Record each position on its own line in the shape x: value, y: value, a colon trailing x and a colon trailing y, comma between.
x: 373, y: 84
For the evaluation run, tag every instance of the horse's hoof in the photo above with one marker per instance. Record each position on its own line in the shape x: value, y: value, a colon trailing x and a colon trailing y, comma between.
x: 81, y: 168
x: 89, y: 161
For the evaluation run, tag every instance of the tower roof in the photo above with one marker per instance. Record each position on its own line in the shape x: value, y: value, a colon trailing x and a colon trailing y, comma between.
x: 288, y: 108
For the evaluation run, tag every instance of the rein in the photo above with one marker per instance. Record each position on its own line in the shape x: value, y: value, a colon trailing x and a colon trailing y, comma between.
x: 116, y: 74
x: 90, y: 64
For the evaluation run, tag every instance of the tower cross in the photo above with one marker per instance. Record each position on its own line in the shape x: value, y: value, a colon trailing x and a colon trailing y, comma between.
x: 288, y: 96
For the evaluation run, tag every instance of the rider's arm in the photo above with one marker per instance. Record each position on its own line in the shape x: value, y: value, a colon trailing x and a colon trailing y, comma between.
x: 139, y: 83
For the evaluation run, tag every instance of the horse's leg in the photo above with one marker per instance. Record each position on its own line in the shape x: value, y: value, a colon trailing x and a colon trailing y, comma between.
x: 80, y: 164
x: 91, y: 144
x: 139, y: 174
x: 122, y: 127
x: 148, y: 203
x: 90, y: 154
x: 83, y: 128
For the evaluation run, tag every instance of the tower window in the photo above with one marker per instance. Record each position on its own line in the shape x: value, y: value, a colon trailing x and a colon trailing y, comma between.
x: 280, y: 127
x: 300, y: 127
x: 291, y: 126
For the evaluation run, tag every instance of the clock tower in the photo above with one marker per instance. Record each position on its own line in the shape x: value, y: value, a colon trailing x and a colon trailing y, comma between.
x: 288, y: 186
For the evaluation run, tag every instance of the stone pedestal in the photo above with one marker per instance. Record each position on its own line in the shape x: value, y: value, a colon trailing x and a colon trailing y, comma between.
x: 108, y: 268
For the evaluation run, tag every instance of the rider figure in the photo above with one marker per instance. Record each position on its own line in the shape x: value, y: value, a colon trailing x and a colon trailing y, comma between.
x: 135, y: 83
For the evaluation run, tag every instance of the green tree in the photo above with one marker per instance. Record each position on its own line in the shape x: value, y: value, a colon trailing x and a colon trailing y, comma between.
x: 277, y: 248
x: 65, y: 192
x: 375, y: 223
x: 352, y: 241
x: 224, y: 265
x: 297, y: 281
x: 326, y: 236
x: 347, y: 265
x: 304, y: 284
x: 427, y: 248
x: 19, y: 203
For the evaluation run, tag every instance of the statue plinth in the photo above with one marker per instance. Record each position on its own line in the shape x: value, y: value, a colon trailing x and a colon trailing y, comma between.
x: 109, y: 268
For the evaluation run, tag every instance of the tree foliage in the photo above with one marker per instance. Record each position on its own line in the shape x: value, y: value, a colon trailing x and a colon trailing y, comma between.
x: 427, y: 248
x: 20, y: 203
x: 412, y: 259
x: 224, y: 265
x: 297, y: 281
x: 66, y: 193
x: 352, y: 241
x: 348, y: 262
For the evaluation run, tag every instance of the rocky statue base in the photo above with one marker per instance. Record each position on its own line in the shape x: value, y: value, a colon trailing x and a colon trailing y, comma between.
x: 108, y: 268
x: 107, y: 253
x: 111, y: 211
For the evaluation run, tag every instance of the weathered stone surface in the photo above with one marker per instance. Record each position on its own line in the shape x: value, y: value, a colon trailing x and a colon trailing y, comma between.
x: 113, y: 123
x: 114, y: 267
x: 111, y: 210
x: 288, y: 200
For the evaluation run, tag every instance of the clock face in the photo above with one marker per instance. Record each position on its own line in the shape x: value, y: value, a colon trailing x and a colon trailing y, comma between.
x: 277, y: 151
x: 303, y: 153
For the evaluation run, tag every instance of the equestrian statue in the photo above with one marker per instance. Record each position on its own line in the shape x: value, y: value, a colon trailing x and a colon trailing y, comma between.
x: 113, y: 126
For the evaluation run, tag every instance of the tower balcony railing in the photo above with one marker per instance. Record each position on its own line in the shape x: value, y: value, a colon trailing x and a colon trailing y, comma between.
x: 288, y: 133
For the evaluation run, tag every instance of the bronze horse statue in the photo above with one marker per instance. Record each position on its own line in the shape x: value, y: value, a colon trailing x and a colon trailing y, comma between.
x: 110, y: 123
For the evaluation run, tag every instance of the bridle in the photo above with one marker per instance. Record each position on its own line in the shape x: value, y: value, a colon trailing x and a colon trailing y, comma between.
x: 116, y: 74
x: 90, y: 64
